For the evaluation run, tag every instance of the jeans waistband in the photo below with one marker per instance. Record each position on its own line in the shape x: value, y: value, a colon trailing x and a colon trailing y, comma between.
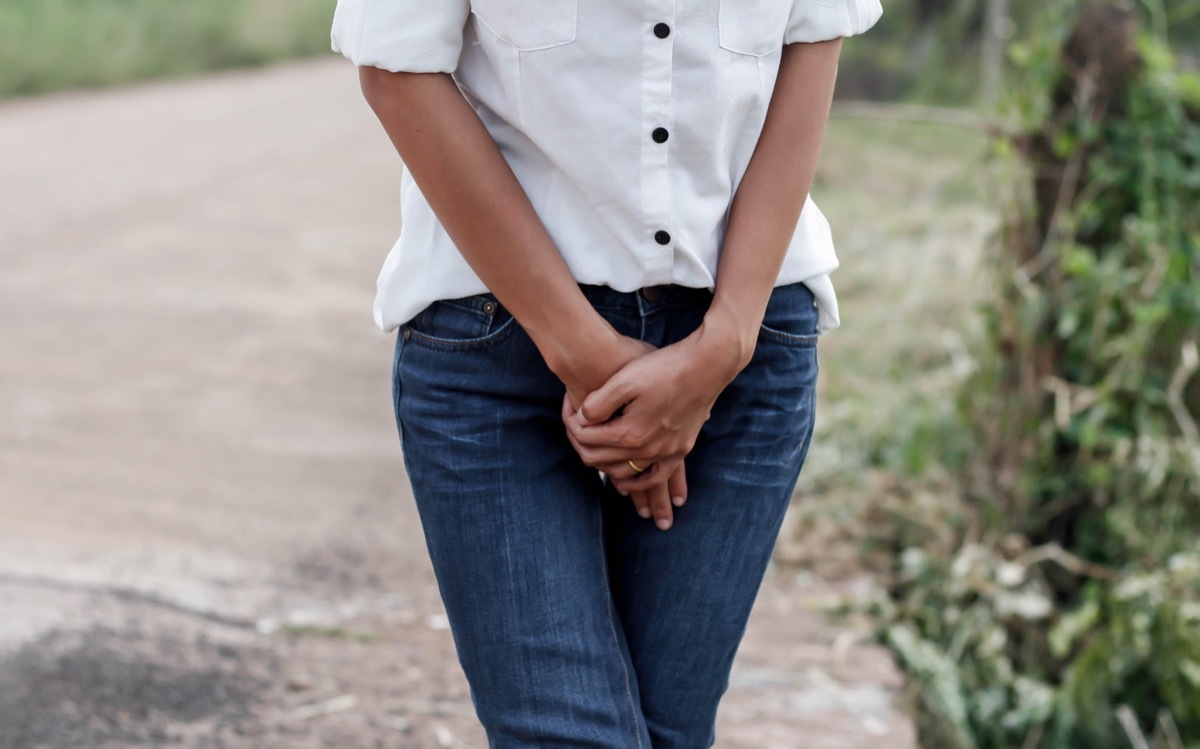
x: 645, y: 299
x: 642, y: 301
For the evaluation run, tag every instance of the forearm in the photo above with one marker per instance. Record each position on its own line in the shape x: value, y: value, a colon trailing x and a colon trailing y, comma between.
x: 768, y: 202
x: 483, y: 207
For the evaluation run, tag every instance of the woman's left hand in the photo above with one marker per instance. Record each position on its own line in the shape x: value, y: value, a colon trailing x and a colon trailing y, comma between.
x: 651, y: 411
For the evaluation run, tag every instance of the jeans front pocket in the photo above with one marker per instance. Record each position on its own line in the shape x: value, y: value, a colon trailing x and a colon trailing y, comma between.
x: 792, y: 317
x: 753, y: 27
x: 529, y: 25
x: 470, y: 322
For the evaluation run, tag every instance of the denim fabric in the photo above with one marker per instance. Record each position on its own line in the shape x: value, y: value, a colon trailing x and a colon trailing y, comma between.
x: 578, y: 623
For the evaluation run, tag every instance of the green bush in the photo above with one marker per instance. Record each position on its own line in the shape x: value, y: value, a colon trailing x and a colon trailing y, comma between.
x: 1065, y: 612
x: 930, y: 50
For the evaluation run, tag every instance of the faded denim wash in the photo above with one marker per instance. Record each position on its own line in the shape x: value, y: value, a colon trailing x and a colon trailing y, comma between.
x: 578, y: 623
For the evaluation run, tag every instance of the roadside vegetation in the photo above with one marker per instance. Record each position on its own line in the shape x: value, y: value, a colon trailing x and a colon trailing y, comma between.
x: 48, y: 45
x: 936, y: 51
x: 926, y: 51
x: 1011, y: 443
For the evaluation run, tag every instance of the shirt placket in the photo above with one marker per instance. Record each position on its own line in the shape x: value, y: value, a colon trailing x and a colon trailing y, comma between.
x: 657, y: 110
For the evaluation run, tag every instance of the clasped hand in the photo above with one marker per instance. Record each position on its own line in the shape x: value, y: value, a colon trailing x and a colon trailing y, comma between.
x: 648, y: 415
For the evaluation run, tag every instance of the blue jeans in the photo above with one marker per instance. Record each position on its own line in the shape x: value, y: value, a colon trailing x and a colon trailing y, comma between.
x: 578, y: 623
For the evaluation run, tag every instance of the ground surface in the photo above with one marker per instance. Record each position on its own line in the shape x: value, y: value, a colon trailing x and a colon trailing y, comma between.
x: 206, y: 536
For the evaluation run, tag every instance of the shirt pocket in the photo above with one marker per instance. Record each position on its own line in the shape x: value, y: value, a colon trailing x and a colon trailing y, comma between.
x: 754, y: 27
x: 529, y: 25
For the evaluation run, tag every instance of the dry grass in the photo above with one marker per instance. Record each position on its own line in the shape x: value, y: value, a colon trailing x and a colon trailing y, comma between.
x: 910, y: 210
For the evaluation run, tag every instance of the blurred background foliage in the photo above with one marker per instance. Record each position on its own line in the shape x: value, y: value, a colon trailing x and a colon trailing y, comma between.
x: 1039, y: 537
x: 935, y: 51
x: 928, y: 51
x: 47, y: 45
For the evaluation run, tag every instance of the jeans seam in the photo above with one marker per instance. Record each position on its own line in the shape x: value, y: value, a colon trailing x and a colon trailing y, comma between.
x: 397, y: 387
x: 612, y: 627
x: 792, y: 339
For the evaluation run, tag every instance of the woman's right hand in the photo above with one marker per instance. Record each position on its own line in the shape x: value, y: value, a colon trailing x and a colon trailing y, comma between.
x: 585, y: 368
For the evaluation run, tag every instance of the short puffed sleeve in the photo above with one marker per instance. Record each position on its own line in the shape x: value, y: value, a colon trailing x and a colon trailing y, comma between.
x: 822, y: 20
x: 414, y: 36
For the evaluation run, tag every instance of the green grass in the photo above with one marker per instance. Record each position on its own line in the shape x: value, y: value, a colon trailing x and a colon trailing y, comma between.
x: 49, y: 45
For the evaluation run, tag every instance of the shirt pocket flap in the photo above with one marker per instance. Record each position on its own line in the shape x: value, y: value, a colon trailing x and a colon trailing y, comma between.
x: 754, y: 27
x: 529, y: 25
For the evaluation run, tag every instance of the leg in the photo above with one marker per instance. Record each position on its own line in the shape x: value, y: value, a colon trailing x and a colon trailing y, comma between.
x: 685, y: 595
x: 513, y: 524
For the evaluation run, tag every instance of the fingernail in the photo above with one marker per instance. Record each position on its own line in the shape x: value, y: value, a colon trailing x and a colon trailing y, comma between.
x: 663, y: 524
x: 644, y: 512
x: 623, y: 493
x: 677, y: 501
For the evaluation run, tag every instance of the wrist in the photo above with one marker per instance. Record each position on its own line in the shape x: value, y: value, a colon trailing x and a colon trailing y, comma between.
x: 571, y: 341
x: 727, y: 341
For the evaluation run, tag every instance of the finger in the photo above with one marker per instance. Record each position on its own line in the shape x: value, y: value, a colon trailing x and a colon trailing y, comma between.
x: 599, y: 407
x: 614, y: 457
x: 598, y: 437
x: 611, y: 434
x: 619, y: 469
x: 583, y: 454
x: 575, y: 398
x: 631, y: 481
x: 568, y: 409
x: 677, y: 486
x: 616, y: 471
x: 660, y: 507
x: 570, y: 414
x: 653, y: 476
x: 622, y: 470
x: 641, y: 503
x: 599, y: 458
x: 610, y: 460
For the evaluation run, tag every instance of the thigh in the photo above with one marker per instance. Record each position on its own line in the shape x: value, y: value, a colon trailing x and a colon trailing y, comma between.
x: 685, y: 595
x: 513, y: 525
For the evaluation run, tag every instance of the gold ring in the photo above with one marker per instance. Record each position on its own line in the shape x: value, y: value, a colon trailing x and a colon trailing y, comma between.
x: 636, y: 468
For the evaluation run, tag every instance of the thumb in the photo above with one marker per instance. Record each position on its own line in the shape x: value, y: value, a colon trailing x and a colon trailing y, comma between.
x: 602, y: 404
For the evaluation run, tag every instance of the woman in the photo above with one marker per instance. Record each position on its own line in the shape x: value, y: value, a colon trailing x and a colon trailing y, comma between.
x: 610, y: 284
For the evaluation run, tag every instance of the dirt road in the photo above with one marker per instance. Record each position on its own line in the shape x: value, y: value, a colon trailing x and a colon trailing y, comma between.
x: 206, y: 536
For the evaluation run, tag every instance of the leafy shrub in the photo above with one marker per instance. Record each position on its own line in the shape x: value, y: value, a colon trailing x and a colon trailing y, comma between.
x: 1065, y: 613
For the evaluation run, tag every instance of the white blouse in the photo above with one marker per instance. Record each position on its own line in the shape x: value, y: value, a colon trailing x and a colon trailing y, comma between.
x: 629, y: 125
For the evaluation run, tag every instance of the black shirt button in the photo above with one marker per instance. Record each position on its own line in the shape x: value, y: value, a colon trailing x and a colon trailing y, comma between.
x: 662, y: 31
x: 660, y: 135
x: 662, y: 237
